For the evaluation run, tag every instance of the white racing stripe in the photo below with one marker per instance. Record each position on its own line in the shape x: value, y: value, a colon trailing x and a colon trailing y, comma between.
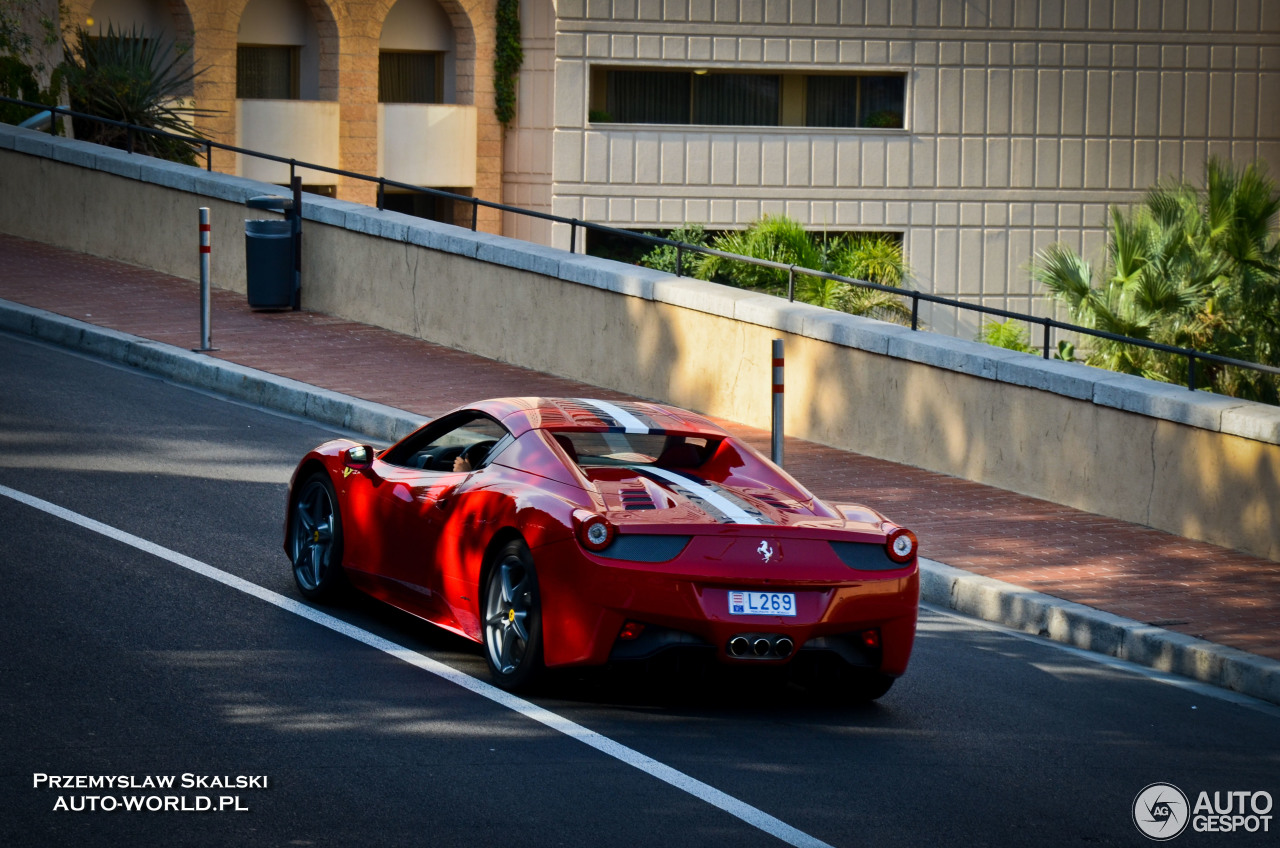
x: 747, y: 813
x: 735, y: 513
x: 626, y: 420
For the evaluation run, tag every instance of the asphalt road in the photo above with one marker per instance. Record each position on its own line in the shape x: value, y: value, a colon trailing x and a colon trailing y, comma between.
x: 120, y: 662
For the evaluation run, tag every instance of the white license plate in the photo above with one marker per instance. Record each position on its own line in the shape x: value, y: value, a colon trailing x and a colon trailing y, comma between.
x: 762, y: 603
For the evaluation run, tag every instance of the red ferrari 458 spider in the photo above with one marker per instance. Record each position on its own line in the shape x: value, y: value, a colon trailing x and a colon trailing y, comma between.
x: 562, y: 532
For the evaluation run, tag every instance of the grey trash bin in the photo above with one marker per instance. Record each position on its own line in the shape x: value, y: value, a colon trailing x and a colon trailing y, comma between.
x: 268, y: 256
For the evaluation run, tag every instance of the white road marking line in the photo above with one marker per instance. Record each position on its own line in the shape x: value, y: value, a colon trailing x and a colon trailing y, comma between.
x: 702, y: 791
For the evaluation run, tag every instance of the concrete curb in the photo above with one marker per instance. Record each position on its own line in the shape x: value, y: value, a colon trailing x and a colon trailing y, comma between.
x: 971, y: 594
x: 217, y: 375
x: 1101, y: 632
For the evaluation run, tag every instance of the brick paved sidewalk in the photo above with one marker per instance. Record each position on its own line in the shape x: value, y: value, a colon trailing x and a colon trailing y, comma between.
x: 1147, y: 575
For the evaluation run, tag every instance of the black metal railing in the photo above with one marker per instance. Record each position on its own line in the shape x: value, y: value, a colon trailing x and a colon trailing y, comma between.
x: 917, y: 297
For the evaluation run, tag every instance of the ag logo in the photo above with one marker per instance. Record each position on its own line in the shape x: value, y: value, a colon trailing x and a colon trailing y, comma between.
x: 765, y: 551
x: 1160, y: 811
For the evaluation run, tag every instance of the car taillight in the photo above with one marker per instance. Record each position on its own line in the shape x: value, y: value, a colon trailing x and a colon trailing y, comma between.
x: 901, y: 545
x: 594, y: 532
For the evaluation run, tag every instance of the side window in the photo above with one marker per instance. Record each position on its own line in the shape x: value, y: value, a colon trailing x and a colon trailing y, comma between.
x: 469, y: 435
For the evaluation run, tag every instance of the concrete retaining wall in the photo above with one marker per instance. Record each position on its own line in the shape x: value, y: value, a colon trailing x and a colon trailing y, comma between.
x: 1194, y: 464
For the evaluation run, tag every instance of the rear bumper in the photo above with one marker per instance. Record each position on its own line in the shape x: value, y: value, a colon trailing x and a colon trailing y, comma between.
x: 684, y: 606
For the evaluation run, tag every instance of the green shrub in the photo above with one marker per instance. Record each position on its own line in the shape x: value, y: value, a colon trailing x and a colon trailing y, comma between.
x: 663, y: 256
x: 873, y: 257
x: 776, y: 238
x: 20, y: 65
x: 1010, y: 335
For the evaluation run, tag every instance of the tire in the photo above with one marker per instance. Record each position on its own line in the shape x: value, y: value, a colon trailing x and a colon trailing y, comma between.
x: 513, y: 618
x: 315, y: 540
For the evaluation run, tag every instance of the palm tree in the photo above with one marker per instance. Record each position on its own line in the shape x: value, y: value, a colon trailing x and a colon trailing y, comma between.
x: 1240, y: 223
x: 1192, y: 268
x: 873, y: 258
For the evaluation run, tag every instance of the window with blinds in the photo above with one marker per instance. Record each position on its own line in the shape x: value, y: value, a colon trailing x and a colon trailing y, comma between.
x: 876, y: 102
x: 740, y: 100
x: 627, y: 96
x: 267, y: 72
x: 410, y: 77
x: 649, y: 97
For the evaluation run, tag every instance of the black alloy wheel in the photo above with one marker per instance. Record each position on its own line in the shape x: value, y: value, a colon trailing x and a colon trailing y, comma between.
x: 513, y: 618
x: 315, y: 540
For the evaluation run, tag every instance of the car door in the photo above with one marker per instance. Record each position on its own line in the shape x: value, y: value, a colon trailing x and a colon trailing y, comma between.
x: 409, y: 511
x: 412, y: 488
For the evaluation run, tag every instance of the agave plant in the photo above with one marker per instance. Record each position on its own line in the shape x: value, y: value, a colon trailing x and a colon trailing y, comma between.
x: 136, y: 79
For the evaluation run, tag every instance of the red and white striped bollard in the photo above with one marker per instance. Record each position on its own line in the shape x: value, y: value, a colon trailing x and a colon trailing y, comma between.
x: 776, y: 453
x: 206, y: 331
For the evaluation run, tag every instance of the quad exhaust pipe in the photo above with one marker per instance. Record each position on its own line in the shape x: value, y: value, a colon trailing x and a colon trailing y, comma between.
x: 765, y: 646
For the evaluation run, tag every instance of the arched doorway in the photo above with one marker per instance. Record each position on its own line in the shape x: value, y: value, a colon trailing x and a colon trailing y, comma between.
x: 277, y: 52
x: 286, y: 96
x: 417, y: 55
x: 425, y: 137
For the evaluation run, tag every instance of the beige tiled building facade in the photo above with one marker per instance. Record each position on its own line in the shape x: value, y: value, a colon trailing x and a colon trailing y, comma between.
x: 1021, y: 120
x: 978, y: 130
x: 317, y: 98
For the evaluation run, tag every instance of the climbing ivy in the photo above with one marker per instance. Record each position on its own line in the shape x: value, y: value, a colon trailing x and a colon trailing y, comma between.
x: 507, y: 60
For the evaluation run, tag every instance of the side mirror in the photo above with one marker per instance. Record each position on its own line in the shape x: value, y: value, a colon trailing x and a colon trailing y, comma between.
x: 358, y: 458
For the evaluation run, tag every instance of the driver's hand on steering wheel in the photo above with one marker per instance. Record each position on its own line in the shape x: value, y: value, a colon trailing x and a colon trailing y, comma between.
x: 460, y: 463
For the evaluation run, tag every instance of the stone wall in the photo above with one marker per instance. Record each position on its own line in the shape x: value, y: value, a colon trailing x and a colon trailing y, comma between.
x: 1195, y: 464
